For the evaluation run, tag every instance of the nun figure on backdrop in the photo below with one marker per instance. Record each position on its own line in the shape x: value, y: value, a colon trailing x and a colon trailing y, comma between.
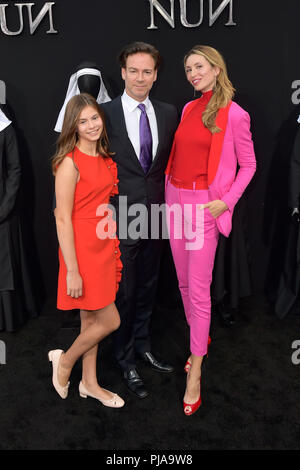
x: 87, y: 79
x: 17, y: 302
x: 287, y: 299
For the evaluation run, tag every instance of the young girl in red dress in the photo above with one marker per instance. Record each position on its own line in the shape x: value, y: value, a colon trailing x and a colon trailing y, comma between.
x: 89, y: 256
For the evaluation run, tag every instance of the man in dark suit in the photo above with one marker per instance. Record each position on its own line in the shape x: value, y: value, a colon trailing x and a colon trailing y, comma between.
x: 140, y: 133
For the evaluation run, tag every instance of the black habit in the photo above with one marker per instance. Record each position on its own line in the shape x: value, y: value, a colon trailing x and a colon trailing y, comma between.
x: 16, y: 297
x: 288, y: 298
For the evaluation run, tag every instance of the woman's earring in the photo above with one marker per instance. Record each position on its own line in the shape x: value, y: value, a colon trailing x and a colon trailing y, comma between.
x: 215, y: 85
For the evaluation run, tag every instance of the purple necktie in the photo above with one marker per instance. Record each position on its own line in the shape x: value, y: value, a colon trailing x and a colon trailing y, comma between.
x: 145, y: 140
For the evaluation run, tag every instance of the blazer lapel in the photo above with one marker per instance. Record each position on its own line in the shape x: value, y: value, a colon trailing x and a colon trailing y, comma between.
x: 160, y: 129
x: 217, y: 143
x: 120, y: 126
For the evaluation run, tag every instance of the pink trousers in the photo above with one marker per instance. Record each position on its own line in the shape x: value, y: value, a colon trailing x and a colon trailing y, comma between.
x: 193, y: 238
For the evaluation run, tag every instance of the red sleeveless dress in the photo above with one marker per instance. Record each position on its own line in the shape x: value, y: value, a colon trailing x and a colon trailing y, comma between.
x: 96, y: 243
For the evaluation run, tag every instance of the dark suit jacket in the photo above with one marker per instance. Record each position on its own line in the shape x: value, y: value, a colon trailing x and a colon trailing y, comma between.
x: 139, y: 187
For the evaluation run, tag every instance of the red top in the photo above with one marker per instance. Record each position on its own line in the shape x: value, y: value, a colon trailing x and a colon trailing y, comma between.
x: 192, y: 144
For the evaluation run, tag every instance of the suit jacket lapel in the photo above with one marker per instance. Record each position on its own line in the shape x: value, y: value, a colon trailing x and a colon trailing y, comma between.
x: 160, y: 129
x: 217, y: 144
x: 120, y: 125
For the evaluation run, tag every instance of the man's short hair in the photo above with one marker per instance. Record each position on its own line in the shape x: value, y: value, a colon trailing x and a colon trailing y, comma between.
x: 139, y: 47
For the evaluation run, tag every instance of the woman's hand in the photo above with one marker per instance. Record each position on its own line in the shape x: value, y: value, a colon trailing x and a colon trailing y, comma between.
x: 74, y: 284
x: 216, y: 208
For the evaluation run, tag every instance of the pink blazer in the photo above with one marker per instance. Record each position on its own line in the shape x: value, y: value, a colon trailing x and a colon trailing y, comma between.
x: 231, y: 147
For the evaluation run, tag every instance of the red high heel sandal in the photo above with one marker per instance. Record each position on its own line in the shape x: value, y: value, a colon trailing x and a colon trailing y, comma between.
x: 187, y: 366
x: 188, y: 362
x: 191, y: 409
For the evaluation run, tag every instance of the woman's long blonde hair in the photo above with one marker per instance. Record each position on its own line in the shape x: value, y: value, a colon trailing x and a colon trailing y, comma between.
x: 68, y: 137
x: 223, y: 91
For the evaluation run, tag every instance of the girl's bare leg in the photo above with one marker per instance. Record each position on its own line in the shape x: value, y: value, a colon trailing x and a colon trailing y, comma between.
x: 96, y: 326
x: 89, y: 364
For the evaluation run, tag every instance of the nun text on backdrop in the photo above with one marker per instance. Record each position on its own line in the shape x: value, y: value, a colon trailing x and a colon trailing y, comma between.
x: 214, y: 12
x: 169, y: 16
x: 33, y: 23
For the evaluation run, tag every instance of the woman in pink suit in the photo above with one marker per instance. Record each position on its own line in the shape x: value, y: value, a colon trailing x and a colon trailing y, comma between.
x: 202, y: 188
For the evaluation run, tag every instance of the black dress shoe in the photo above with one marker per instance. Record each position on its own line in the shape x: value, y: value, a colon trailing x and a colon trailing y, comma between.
x: 160, y: 366
x: 135, y: 383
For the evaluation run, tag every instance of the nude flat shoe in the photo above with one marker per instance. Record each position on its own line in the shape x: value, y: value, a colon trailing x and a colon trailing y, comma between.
x: 114, y: 402
x: 54, y: 357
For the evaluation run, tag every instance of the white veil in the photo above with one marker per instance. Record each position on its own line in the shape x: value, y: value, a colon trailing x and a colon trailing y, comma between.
x: 4, y: 121
x: 73, y: 90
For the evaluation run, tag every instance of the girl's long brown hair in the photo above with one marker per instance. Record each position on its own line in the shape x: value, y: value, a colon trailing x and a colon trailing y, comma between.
x: 223, y: 91
x: 68, y: 137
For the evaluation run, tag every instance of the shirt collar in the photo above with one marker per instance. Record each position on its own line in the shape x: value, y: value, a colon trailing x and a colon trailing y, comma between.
x: 132, y: 104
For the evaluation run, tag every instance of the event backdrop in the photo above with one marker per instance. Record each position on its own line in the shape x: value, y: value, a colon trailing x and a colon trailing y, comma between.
x: 42, y: 43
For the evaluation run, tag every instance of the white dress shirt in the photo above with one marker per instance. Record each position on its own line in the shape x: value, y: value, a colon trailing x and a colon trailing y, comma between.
x: 132, y: 119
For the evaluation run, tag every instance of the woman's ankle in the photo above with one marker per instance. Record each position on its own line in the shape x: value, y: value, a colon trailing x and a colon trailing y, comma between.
x: 90, y: 384
x: 194, y: 375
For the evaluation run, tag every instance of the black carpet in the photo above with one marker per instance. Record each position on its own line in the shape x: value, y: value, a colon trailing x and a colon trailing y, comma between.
x: 250, y: 389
